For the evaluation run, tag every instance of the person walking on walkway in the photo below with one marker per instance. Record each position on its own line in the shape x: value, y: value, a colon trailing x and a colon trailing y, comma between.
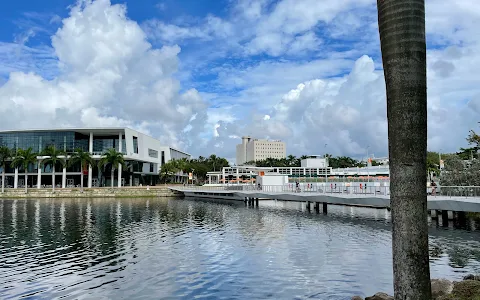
x: 434, y: 187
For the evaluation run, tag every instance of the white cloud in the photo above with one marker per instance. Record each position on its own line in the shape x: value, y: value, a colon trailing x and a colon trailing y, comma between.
x: 110, y: 75
x: 349, y: 112
x: 321, y: 82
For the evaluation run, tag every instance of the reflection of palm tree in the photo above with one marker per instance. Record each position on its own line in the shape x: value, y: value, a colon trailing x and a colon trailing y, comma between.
x: 5, y: 155
x: 53, y: 158
x: 22, y: 159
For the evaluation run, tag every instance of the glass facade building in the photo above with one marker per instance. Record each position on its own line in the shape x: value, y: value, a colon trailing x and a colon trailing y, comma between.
x: 67, y: 141
x: 143, y: 154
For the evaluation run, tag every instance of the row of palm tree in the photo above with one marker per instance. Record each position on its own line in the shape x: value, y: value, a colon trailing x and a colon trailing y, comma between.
x: 22, y: 158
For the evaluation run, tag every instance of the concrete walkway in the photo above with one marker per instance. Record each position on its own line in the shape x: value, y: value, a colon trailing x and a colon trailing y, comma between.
x: 445, y: 203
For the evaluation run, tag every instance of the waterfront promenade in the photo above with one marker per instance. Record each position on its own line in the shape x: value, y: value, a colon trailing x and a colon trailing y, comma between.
x: 453, y: 199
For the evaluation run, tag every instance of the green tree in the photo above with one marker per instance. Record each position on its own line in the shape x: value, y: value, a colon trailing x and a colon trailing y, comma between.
x: 468, y: 153
x: 83, y: 158
x: 5, y: 155
x: 213, y: 160
x: 168, y: 170
x: 22, y: 159
x: 433, y: 163
x: 402, y: 38
x: 458, y: 172
x: 473, y: 139
x: 291, y: 160
x: 53, y: 158
x: 112, y: 158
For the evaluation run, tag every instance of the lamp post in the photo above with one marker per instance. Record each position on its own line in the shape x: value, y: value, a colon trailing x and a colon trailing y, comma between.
x: 440, y: 160
x: 325, y: 169
x: 368, y: 169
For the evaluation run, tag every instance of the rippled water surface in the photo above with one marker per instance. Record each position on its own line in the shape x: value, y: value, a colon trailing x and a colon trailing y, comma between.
x: 182, y: 249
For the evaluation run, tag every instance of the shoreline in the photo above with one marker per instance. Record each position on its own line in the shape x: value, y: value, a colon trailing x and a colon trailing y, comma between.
x: 103, y: 192
x: 443, y: 289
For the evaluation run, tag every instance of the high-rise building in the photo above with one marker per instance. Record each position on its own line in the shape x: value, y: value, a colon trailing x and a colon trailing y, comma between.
x: 258, y: 149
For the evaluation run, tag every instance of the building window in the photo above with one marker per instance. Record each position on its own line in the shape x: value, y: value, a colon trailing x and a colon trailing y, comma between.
x: 151, y: 168
x: 135, y: 144
x: 163, y: 158
x: 152, y: 153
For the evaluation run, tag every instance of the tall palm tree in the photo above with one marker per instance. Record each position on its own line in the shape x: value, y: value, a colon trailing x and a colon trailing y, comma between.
x: 22, y: 159
x: 213, y: 159
x: 83, y: 158
x: 54, y: 157
x: 291, y: 160
x: 113, y: 158
x: 402, y: 37
x: 167, y: 170
x: 5, y: 155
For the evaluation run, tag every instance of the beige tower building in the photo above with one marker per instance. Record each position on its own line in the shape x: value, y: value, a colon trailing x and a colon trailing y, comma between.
x: 258, y: 149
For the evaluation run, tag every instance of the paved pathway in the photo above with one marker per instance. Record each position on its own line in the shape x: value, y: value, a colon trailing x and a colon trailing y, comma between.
x: 467, y: 204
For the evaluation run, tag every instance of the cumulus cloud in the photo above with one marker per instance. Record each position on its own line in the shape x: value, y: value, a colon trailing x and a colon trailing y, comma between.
x: 312, y: 108
x: 109, y: 75
x: 308, y: 72
x: 349, y: 113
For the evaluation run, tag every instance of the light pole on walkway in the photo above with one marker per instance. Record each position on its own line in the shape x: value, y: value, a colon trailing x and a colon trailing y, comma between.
x: 368, y: 169
x: 325, y: 169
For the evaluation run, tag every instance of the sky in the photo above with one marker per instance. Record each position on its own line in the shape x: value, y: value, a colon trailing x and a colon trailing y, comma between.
x: 199, y: 74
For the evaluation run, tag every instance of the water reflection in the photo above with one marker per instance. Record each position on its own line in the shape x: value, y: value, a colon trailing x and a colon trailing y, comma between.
x: 179, y: 249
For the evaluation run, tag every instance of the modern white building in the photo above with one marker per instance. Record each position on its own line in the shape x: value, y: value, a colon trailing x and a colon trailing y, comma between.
x: 314, y: 161
x: 252, y: 149
x: 313, y: 168
x: 143, y: 154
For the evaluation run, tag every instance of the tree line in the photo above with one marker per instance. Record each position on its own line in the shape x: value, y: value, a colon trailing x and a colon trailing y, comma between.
x: 198, y: 166
x: 292, y: 161
x: 463, y: 167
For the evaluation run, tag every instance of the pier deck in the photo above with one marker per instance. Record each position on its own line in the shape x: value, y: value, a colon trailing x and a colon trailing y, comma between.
x: 469, y: 201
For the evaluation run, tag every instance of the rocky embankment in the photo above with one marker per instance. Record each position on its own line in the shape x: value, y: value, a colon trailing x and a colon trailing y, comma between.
x: 443, y: 289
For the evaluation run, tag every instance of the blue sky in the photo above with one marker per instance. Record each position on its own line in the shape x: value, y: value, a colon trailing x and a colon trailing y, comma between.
x: 198, y: 74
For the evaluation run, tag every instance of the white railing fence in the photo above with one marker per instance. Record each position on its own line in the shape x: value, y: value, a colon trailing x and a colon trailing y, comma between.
x: 339, y: 188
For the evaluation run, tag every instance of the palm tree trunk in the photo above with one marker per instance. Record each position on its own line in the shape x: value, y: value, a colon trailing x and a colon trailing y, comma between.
x: 53, y: 178
x: 402, y: 37
x: 81, y: 177
x: 112, y: 174
x: 26, y: 180
x: 3, y: 179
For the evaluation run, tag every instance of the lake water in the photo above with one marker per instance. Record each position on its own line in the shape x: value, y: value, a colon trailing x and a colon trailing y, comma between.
x: 182, y: 249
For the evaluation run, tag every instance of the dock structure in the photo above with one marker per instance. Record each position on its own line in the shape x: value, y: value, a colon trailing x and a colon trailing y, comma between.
x: 446, y: 203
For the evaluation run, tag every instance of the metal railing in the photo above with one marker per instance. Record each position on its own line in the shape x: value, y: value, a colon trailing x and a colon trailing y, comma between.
x: 455, y: 191
x: 337, y: 188
x: 329, y: 188
x: 319, y: 179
